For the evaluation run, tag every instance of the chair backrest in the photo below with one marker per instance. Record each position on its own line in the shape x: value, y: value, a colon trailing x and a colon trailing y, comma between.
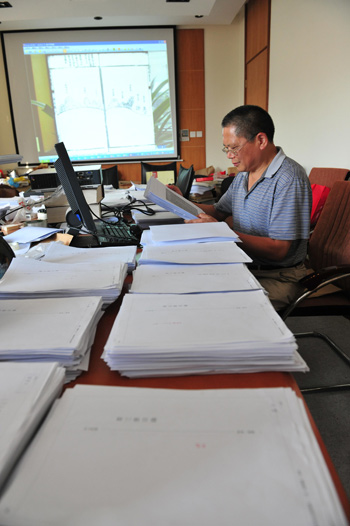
x: 110, y: 176
x: 330, y: 241
x: 328, y: 176
x: 226, y: 183
x: 185, y: 179
x: 168, y: 177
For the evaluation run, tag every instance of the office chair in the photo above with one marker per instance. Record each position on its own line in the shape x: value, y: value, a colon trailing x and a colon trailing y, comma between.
x: 110, y: 176
x: 329, y: 259
x: 323, y: 177
x: 226, y: 183
x: 185, y: 179
x: 147, y: 169
x: 328, y: 176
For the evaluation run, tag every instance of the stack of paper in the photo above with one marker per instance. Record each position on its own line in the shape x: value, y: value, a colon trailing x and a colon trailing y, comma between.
x: 127, y: 456
x: 58, y: 253
x: 194, y: 254
x: 189, y: 279
x: 188, y: 233
x: 200, y: 333
x: 51, y: 329
x: 29, y: 278
x: 26, y: 392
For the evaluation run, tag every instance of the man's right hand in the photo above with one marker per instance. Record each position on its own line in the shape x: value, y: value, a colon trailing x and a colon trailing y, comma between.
x: 174, y: 188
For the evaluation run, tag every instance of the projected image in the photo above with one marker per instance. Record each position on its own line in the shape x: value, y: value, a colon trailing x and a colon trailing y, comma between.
x: 104, y: 100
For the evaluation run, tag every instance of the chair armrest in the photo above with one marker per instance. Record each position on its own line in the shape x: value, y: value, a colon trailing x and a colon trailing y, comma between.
x: 325, y: 276
x: 315, y: 281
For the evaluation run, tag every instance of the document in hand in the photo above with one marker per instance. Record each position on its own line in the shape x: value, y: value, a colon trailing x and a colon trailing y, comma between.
x: 161, y: 195
x: 132, y: 456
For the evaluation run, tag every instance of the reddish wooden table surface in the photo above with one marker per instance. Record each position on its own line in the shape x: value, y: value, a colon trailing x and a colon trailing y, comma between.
x: 100, y: 374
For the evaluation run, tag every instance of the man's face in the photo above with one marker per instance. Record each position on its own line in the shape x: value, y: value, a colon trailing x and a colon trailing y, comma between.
x: 239, y: 150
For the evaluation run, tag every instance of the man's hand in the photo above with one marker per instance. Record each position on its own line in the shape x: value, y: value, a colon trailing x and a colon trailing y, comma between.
x: 174, y: 188
x: 202, y: 218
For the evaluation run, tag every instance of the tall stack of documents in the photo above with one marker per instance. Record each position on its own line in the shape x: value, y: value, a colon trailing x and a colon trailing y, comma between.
x: 26, y: 392
x: 109, y: 455
x: 188, y: 233
x: 50, y: 329
x: 29, y: 278
x: 199, y: 310
x: 205, y: 333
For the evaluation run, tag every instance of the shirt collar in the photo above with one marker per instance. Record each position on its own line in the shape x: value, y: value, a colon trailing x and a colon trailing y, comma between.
x: 275, y: 163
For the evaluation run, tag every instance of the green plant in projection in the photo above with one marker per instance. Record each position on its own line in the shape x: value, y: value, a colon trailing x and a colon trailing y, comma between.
x: 161, y: 113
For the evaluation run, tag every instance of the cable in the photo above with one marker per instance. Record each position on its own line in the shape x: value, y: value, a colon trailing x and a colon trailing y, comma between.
x: 127, y: 208
x: 35, y: 203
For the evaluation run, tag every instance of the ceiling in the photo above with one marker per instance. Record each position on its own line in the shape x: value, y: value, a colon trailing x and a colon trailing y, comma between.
x: 42, y: 14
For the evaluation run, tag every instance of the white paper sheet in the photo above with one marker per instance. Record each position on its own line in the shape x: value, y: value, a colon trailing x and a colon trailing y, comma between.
x: 50, y: 329
x: 29, y: 278
x: 26, y: 392
x: 109, y: 455
x: 59, y: 253
x: 189, y: 233
x: 29, y: 234
x: 194, y: 254
x: 188, y: 279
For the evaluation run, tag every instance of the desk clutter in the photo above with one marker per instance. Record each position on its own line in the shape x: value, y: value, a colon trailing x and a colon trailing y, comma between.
x: 146, y: 455
x: 55, y: 287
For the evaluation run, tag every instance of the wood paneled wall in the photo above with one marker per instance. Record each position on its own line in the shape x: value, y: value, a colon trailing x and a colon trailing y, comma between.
x: 190, y: 102
x: 257, y: 52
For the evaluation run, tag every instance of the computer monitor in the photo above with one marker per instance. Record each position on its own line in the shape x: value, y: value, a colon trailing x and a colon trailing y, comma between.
x: 80, y: 214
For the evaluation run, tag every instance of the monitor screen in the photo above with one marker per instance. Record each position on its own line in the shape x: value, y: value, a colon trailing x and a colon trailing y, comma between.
x: 73, y: 191
x: 109, y: 94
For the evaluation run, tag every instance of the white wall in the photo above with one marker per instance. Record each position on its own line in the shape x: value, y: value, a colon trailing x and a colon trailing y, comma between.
x: 224, y: 86
x: 309, y: 92
x: 309, y: 97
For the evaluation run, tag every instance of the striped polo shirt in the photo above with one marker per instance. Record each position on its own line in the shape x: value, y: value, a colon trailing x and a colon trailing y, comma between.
x: 278, y: 206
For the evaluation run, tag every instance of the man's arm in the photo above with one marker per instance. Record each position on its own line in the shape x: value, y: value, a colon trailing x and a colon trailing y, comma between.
x: 262, y: 247
x: 254, y: 246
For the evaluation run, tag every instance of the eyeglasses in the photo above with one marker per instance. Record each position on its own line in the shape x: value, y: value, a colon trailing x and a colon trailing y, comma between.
x: 234, y: 151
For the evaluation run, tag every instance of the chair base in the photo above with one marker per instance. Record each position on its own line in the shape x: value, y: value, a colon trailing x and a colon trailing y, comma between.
x: 337, y: 350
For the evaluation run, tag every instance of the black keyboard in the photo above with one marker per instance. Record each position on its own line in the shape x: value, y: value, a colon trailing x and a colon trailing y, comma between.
x: 115, y: 234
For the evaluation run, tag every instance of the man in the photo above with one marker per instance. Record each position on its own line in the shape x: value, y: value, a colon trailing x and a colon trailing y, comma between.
x: 268, y: 203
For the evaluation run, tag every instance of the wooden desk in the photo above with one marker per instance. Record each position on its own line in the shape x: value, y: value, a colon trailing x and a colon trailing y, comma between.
x: 100, y: 374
